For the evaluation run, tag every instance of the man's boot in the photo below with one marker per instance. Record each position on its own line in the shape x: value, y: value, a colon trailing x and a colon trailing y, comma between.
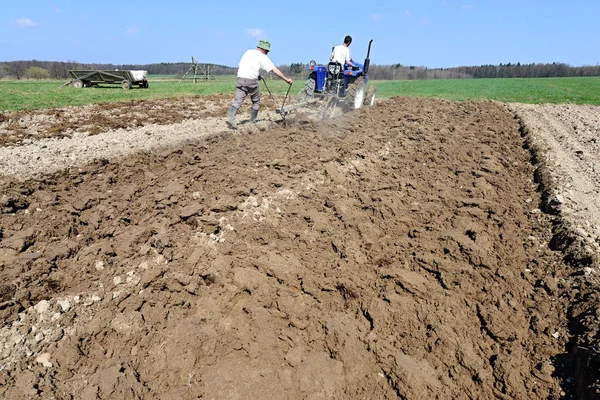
x: 231, y: 117
x: 253, y: 115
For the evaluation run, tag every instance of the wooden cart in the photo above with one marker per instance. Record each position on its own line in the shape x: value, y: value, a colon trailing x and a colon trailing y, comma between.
x: 126, y: 78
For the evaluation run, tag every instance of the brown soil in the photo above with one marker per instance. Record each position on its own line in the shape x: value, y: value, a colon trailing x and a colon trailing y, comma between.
x: 25, y: 126
x: 412, y: 250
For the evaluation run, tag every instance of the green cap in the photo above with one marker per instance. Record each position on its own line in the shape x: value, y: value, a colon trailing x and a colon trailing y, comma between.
x: 264, y: 44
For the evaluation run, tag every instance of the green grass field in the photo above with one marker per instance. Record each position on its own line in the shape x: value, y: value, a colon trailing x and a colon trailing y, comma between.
x: 17, y: 95
x: 519, y: 90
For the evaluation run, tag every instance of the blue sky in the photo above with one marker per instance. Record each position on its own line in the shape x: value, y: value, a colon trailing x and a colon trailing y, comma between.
x: 438, y: 33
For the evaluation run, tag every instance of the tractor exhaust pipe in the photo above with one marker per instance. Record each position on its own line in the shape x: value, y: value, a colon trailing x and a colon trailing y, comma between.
x: 367, y: 61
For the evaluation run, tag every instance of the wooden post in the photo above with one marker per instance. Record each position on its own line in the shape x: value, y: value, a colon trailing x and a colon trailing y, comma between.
x: 198, y: 70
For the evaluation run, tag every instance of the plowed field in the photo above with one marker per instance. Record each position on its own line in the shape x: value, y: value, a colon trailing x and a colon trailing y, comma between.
x: 420, y: 248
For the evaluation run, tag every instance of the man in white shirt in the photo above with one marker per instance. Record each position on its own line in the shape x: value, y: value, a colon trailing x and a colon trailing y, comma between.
x: 341, y: 53
x: 249, y: 68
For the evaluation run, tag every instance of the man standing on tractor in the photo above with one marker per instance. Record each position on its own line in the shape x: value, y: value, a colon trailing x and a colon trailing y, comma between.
x: 341, y: 53
x: 248, y: 76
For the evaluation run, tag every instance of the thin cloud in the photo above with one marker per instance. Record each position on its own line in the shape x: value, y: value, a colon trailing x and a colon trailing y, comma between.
x: 132, y: 31
x: 376, y: 17
x: 25, y: 23
x: 468, y: 6
x: 407, y: 12
x: 254, y: 32
x: 425, y: 21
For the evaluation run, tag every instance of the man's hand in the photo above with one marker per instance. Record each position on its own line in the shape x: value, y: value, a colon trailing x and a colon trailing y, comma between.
x: 259, y: 77
x: 289, y: 81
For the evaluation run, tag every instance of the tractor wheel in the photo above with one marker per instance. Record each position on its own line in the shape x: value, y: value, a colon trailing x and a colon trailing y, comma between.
x: 78, y: 84
x: 311, y: 85
x: 126, y: 84
x: 330, y: 107
x: 355, y: 95
x: 302, y: 96
x: 370, y: 97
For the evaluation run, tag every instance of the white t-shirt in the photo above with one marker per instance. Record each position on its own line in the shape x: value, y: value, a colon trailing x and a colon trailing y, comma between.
x: 341, y: 54
x: 252, y: 62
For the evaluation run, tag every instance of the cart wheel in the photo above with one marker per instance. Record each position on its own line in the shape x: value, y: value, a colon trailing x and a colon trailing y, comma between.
x: 78, y: 84
x: 146, y: 85
x: 126, y: 84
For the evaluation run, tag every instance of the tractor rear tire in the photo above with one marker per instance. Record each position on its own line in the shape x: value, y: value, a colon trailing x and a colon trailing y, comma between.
x: 355, y: 95
x: 301, y: 97
x: 311, y: 85
x: 330, y: 107
x: 370, y: 97
x: 126, y: 84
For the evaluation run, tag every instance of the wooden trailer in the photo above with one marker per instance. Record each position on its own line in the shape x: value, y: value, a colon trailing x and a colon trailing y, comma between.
x: 126, y: 78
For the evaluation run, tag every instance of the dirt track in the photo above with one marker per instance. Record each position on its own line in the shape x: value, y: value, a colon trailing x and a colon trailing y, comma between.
x: 416, y: 249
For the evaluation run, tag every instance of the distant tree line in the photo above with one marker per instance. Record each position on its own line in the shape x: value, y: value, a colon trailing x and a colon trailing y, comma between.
x: 554, y: 70
x: 34, y: 69
x: 60, y: 70
x: 519, y: 70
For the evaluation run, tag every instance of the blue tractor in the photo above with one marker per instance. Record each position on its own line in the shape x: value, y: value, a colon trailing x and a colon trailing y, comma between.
x: 339, y: 84
x: 334, y: 85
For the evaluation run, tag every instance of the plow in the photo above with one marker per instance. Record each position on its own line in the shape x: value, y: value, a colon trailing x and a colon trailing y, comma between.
x: 332, y: 87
